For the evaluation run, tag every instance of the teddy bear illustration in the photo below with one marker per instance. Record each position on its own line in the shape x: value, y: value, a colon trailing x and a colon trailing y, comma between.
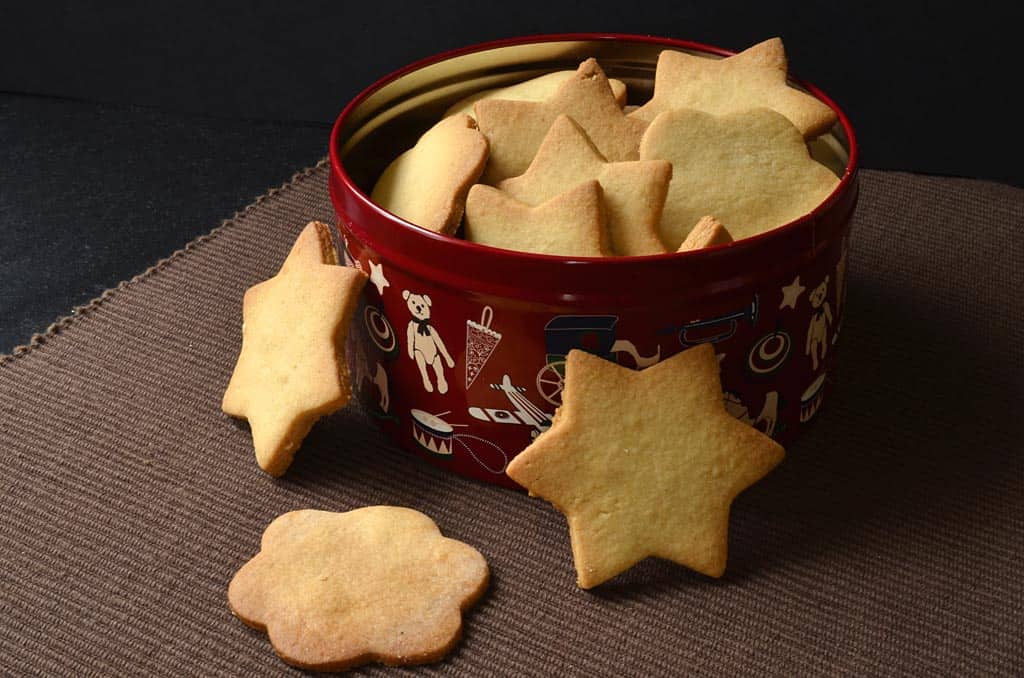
x: 821, y: 319
x: 424, y: 343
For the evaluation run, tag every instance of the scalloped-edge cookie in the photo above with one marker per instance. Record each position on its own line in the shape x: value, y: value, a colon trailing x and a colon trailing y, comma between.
x: 750, y: 169
x: 376, y: 584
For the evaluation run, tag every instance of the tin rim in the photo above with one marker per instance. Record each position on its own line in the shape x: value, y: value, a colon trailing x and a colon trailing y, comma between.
x: 610, y: 265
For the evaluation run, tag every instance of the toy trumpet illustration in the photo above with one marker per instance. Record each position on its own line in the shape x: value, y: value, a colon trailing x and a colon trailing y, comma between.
x: 716, y: 329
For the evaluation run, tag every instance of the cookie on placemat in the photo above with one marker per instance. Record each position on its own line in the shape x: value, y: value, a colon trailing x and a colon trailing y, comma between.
x: 291, y: 370
x: 634, y: 191
x: 707, y: 233
x: 427, y: 184
x: 756, y: 77
x: 515, y: 129
x: 535, y: 89
x: 750, y: 169
x: 644, y: 463
x: 377, y: 584
x: 572, y: 223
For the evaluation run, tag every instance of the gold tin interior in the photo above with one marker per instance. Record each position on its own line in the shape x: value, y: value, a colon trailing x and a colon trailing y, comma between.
x: 392, y: 118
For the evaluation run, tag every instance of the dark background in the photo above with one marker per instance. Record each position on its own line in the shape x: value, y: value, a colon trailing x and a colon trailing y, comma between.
x: 127, y: 131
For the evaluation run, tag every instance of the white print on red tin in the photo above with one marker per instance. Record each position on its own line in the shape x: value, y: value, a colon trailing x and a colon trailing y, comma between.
x: 810, y: 401
x: 821, y: 320
x: 379, y: 380
x: 381, y: 333
x: 591, y: 333
x: 424, y: 344
x: 377, y: 277
x: 769, y: 354
x: 437, y: 436
x: 791, y: 294
x: 716, y: 329
x: 346, y: 254
x: 523, y: 411
x: 481, y: 341
x: 765, y: 421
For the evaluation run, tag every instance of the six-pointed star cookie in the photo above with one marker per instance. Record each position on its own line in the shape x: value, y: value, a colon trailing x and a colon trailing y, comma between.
x: 634, y: 192
x: 644, y: 463
x: 750, y: 169
x: 753, y: 78
x: 571, y: 224
x: 515, y: 129
x: 291, y: 370
x: 377, y: 584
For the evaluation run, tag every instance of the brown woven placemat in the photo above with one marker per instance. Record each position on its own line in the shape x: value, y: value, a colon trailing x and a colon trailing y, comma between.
x: 890, y: 541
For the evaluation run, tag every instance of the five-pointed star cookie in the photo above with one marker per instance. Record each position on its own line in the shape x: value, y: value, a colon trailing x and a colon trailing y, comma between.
x: 377, y: 584
x: 571, y: 224
x: 634, y: 192
x: 515, y: 129
x: 291, y: 370
x: 644, y: 463
x: 750, y: 169
x: 756, y: 77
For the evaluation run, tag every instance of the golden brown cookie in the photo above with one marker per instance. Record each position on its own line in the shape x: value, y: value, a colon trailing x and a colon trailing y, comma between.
x: 570, y: 224
x: 750, y: 169
x: 535, y: 89
x: 707, y: 233
x: 754, y: 78
x: 377, y: 584
x: 634, y: 192
x: 644, y: 463
x: 427, y: 184
x: 291, y: 370
x: 515, y: 129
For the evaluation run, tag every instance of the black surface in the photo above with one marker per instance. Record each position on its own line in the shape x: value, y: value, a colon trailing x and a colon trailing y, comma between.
x: 91, y: 194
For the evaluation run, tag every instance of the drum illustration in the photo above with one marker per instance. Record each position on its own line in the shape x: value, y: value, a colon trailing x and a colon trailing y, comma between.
x: 432, y: 433
x: 811, y: 399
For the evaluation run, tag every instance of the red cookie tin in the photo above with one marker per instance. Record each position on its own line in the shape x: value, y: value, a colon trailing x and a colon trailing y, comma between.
x: 458, y: 350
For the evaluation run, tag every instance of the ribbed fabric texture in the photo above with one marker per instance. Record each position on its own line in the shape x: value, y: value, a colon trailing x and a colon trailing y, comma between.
x: 889, y: 542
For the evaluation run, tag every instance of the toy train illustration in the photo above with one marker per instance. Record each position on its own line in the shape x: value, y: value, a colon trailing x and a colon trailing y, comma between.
x: 591, y: 333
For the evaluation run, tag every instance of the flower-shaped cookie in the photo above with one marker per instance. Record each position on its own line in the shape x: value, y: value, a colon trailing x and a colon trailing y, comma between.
x: 336, y: 590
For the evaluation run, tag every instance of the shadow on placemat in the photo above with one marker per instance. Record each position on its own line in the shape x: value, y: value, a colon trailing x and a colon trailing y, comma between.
x: 888, y: 542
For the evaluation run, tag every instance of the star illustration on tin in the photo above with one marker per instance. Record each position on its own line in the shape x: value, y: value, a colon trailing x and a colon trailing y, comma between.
x: 791, y: 293
x: 377, y: 277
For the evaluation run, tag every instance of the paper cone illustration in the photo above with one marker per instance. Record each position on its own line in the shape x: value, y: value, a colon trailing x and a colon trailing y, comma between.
x: 481, y: 341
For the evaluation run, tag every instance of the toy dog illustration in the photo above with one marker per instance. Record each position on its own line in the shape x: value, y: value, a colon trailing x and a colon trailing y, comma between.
x: 821, y: 319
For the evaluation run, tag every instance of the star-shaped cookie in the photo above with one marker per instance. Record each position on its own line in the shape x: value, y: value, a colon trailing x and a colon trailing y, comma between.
x: 644, y: 463
x: 634, y: 191
x: 377, y: 584
x: 515, y: 129
x: 427, y: 184
x: 750, y: 169
x: 756, y: 77
x: 571, y: 224
x: 535, y: 89
x: 291, y: 370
